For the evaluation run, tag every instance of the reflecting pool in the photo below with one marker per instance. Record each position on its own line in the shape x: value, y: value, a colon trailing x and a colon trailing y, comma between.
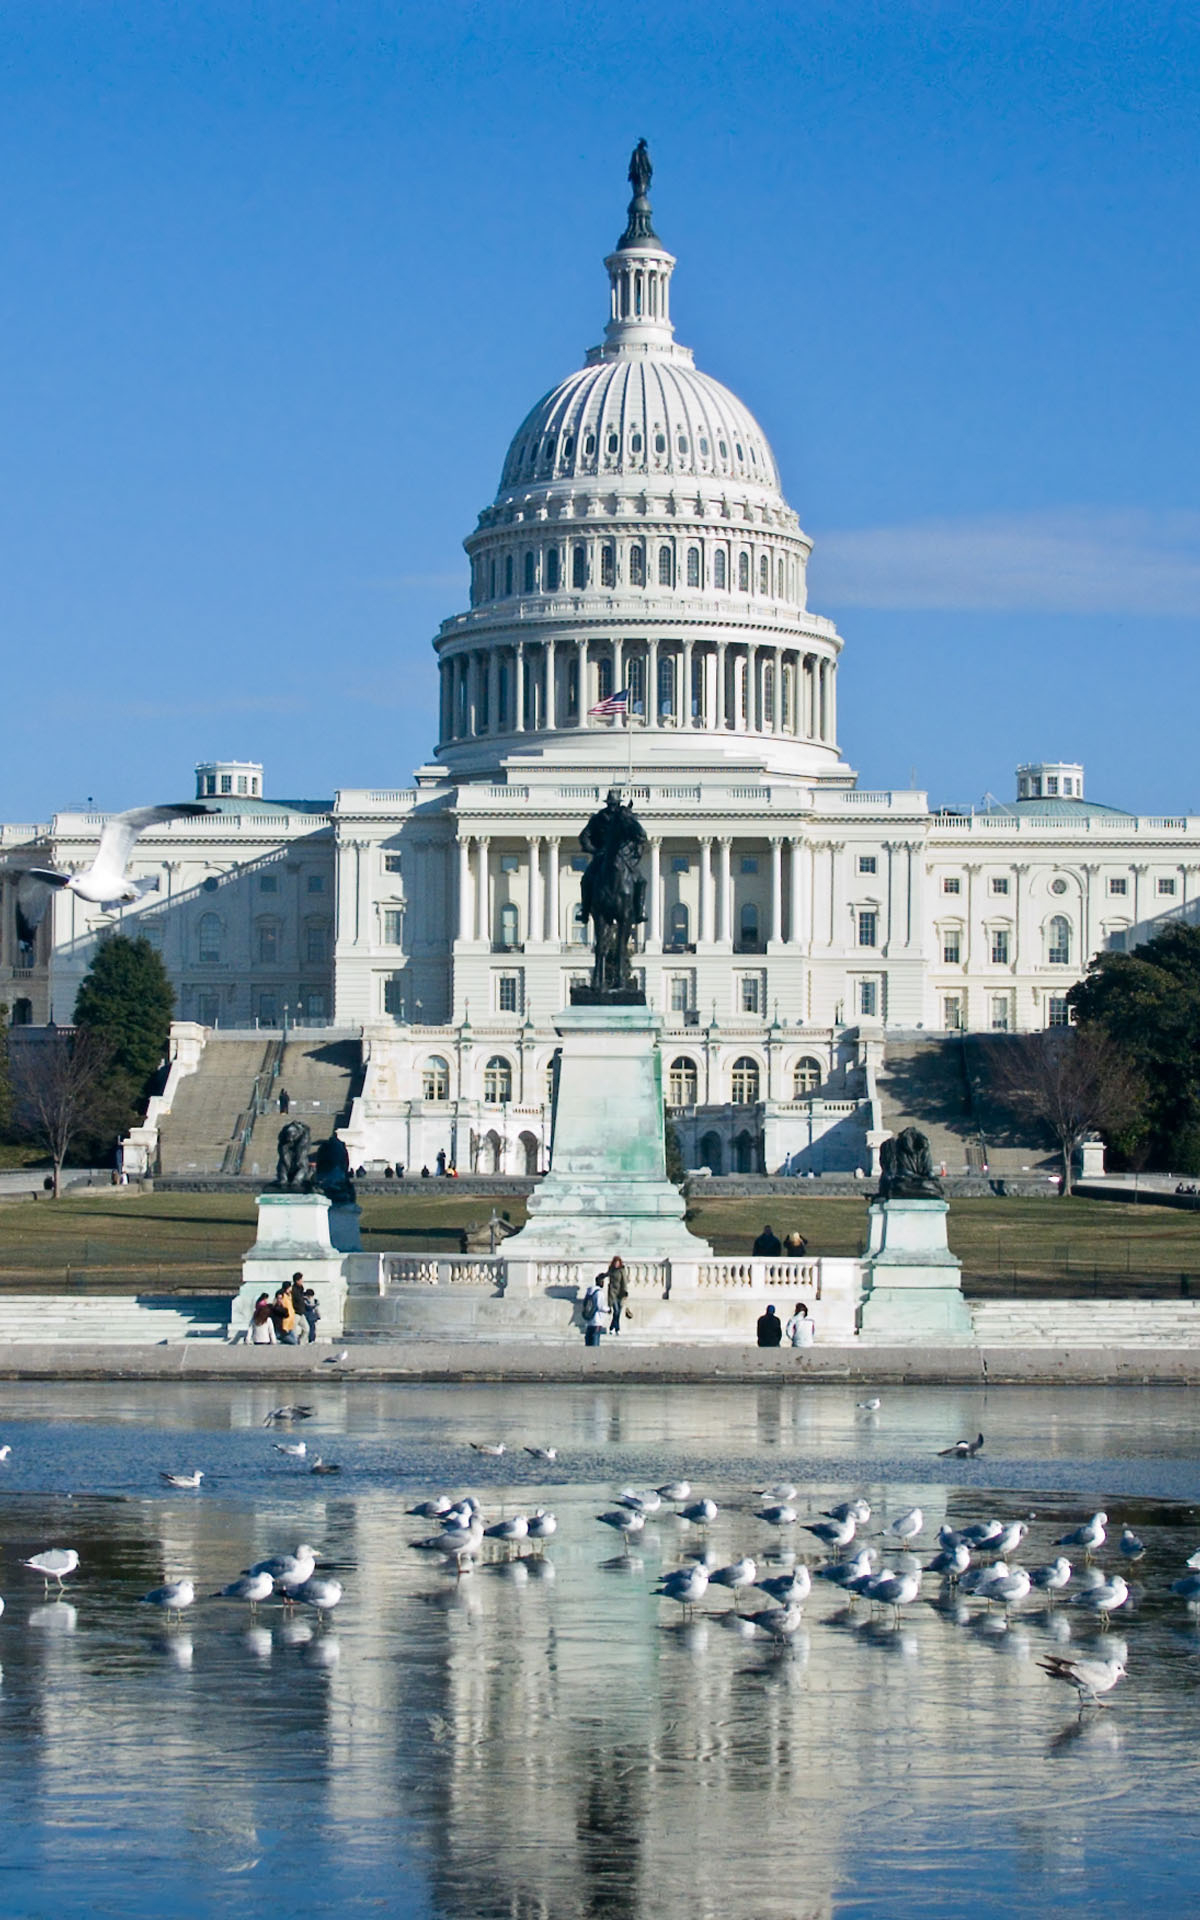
x: 544, y: 1736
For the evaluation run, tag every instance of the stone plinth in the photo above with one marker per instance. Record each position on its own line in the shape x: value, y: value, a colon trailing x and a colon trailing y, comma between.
x: 607, y: 1189
x: 294, y: 1237
x: 912, y: 1283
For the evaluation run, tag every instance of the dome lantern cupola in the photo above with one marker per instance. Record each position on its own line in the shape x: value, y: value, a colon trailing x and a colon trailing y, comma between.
x: 640, y: 274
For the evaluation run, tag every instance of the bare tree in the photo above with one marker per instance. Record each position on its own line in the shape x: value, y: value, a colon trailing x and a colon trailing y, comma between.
x: 59, y: 1090
x: 1073, y: 1080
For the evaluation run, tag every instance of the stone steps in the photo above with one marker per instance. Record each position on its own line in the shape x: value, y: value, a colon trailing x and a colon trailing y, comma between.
x: 92, y: 1320
x: 1087, y: 1323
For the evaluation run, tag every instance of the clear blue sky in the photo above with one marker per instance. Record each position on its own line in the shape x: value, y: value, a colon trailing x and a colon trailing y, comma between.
x: 280, y: 281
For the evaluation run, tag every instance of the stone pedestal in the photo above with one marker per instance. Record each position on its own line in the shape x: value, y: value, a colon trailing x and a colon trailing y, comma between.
x: 607, y: 1189
x: 912, y: 1283
x: 294, y: 1237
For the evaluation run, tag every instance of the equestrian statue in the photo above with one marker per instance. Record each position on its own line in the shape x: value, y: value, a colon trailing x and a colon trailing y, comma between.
x: 612, y: 894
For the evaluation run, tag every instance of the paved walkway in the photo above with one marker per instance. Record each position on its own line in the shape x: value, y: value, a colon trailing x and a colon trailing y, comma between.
x: 574, y: 1364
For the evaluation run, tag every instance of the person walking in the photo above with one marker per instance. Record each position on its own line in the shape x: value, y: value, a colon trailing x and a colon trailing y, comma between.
x: 262, y: 1324
x: 769, y: 1329
x: 594, y: 1311
x: 618, y: 1291
x: 800, y: 1329
x: 312, y: 1313
x: 767, y: 1245
x: 285, y: 1100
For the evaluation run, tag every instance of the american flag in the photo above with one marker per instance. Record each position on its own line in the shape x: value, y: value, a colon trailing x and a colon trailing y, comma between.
x: 616, y: 703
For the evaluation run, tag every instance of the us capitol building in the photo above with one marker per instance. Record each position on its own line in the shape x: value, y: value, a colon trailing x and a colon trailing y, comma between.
x: 639, y: 543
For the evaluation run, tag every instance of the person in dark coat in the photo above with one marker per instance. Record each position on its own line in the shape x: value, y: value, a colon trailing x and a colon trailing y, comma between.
x: 769, y: 1328
x: 285, y: 1099
x: 767, y: 1245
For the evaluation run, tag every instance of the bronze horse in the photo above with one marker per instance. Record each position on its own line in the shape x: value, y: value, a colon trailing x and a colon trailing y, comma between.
x: 293, y: 1143
x: 612, y: 893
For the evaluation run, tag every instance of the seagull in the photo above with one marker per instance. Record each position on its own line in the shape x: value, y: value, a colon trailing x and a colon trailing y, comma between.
x: 251, y: 1587
x: 1090, y: 1536
x: 740, y: 1573
x: 288, y: 1570
x: 1131, y: 1547
x: 511, y: 1532
x: 1193, y: 1559
x: 834, y: 1534
x: 700, y: 1513
x: 648, y: 1502
x: 778, y: 1623
x: 1053, y: 1578
x: 674, y: 1491
x: 321, y: 1594
x: 105, y: 883
x: 427, y: 1509
x: 980, y: 1536
x: 783, y: 1490
x: 541, y: 1525
x: 55, y: 1563
x: 1090, y: 1678
x: 543, y: 1453
x: 893, y: 1589
x: 783, y: 1516
x: 1008, y: 1539
x: 1104, y: 1598
x: 1010, y: 1587
x: 297, y: 1449
x: 962, y: 1449
x: 494, y: 1452
x: 857, y: 1510
x: 952, y: 1561
x: 336, y: 1359
x: 284, y: 1415
x: 624, y: 1520
x: 172, y: 1598
x: 183, y: 1479
x: 1189, y: 1587
x: 4, y: 1453
x: 687, y: 1585
x: 908, y: 1525
x: 789, y: 1589
x: 324, y: 1466
x: 869, y: 1406
x: 843, y: 1572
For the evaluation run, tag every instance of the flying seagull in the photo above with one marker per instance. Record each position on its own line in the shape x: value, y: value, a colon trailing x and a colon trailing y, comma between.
x: 105, y: 883
x: 962, y: 1449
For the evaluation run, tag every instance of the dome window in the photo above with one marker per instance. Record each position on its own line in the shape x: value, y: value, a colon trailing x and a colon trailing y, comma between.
x: 660, y: 443
x: 589, y: 446
x: 722, y: 449
x: 754, y: 456
x: 508, y: 573
x: 614, y: 443
x: 548, y: 449
x: 666, y: 570
x: 703, y: 448
x: 681, y: 443
x: 719, y: 568
x: 780, y: 588
x: 552, y: 570
x: 693, y: 566
x: 737, y: 447
x: 491, y: 580
x: 529, y: 567
x: 579, y: 566
x: 764, y: 574
x: 743, y: 572
x: 635, y: 443
x: 568, y: 446
x: 608, y: 571
x: 637, y: 566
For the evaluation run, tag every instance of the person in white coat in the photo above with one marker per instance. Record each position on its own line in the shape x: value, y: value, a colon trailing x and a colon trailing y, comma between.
x: 594, y: 1310
x: 800, y: 1330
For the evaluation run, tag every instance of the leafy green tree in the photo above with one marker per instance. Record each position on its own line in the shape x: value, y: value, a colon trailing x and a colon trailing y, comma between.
x: 1148, y: 1004
x: 126, y: 999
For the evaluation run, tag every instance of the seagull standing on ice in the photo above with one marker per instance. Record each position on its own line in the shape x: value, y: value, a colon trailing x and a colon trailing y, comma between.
x: 1053, y: 1578
x: 55, y: 1563
x: 1090, y: 1678
x: 105, y: 883
x: 1090, y: 1536
x: 172, y: 1598
x: 251, y: 1588
x: 1103, y: 1598
x: 687, y: 1585
x: 908, y: 1525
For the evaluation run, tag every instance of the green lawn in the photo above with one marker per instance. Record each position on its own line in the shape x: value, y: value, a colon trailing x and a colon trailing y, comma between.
x: 186, y: 1233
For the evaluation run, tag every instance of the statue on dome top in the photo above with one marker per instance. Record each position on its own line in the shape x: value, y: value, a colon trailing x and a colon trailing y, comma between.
x: 639, y: 225
x: 640, y: 170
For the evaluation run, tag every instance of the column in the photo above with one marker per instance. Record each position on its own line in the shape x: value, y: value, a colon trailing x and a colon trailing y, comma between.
x: 581, y: 707
x: 474, y: 702
x: 721, y: 706
x: 968, y: 947
x: 493, y: 672
x: 483, y: 916
x: 891, y: 933
x: 464, y: 888
x: 796, y: 876
x: 685, y: 698
x: 654, y: 902
x: 835, y: 893
x: 776, y: 873
x: 519, y: 687
x: 551, y: 686
x: 534, y: 902
x: 778, y: 701
x: 822, y: 702
x: 706, y: 892
x: 1018, y: 874
x: 1089, y: 904
x: 618, y: 665
x: 652, y: 684
x: 810, y: 696
x: 833, y: 703
x: 443, y: 701
x: 724, y: 889
x: 553, y: 934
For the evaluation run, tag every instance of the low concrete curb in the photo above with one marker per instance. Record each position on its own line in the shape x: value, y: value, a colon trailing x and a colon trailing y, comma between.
x: 574, y: 1364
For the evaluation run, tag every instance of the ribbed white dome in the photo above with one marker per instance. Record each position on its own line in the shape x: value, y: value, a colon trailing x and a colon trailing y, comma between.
x: 649, y: 415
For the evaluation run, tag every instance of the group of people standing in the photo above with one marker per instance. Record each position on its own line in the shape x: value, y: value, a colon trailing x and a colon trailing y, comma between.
x: 606, y: 1302
x: 282, y: 1320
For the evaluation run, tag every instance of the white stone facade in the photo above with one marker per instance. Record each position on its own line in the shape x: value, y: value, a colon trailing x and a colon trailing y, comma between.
x: 640, y: 543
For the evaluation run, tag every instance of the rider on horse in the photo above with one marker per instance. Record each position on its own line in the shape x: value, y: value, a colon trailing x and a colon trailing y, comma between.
x: 612, y: 893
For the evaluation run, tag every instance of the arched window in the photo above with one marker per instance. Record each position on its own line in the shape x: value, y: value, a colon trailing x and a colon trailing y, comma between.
x: 608, y: 566
x: 552, y: 570
x: 769, y: 694
x: 806, y: 1077
x: 678, y: 925
x: 635, y: 680
x: 529, y: 570
x: 764, y: 574
x: 719, y: 568
x: 710, y: 1153
x: 789, y: 683
x: 491, y: 579
x: 209, y: 939
x: 660, y: 443
x: 604, y: 679
x: 589, y: 446
x: 666, y: 684
x: 579, y: 566
x: 744, y: 572
x: 635, y: 443
x: 613, y: 443
x: 497, y: 1082
x: 743, y: 1153
x: 568, y: 446
x: 748, y: 926
x: 1058, y: 950
x: 435, y: 1079
x: 743, y: 1085
x: 682, y: 1083
x: 693, y: 566
x: 782, y: 576
x: 508, y: 573
x: 637, y: 566
x: 666, y: 571
x: 509, y: 928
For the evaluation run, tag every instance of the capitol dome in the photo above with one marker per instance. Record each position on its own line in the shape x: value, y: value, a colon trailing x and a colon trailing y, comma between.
x: 639, y: 548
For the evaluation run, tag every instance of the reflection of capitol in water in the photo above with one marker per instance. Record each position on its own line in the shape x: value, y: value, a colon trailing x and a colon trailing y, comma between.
x: 552, y: 1740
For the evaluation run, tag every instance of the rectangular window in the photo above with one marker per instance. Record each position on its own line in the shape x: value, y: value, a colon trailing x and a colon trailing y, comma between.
x: 952, y: 884
x: 226, y: 783
x: 268, y: 883
x: 268, y: 945
x: 1118, y: 885
x: 241, y: 783
x: 868, y: 999
x: 749, y: 863
x: 1051, y: 784
x: 951, y: 947
x: 999, y: 883
x: 268, y: 1009
x: 1166, y: 886
x: 316, y: 883
x: 1000, y: 947
x: 579, y: 566
x: 314, y: 1007
x: 392, y: 863
x: 868, y: 926
x: 508, y: 993
x: 1000, y: 1013
x: 866, y: 863
x: 749, y: 993
x: 680, y: 992
x: 1116, y: 940
x: 1058, y: 1014
x: 393, y: 994
x: 316, y: 946
x: 608, y: 567
x: 679, y: 863
x: 510, y: 863
x: 952, y: 1013
x: 393, y: 927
